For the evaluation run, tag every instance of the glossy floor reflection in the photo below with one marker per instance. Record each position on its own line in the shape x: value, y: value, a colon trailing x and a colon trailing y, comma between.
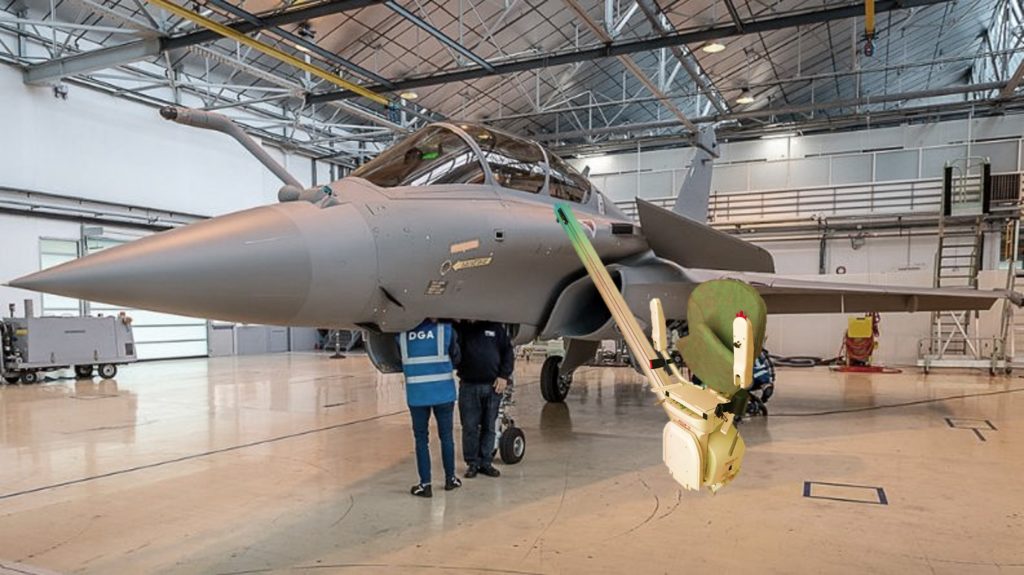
x: 299, y: 463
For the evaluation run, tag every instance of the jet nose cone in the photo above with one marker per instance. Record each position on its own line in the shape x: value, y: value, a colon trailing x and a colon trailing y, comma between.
x: 254, y: 266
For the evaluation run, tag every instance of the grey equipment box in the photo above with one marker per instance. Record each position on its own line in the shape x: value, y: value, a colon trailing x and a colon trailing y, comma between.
x: 35, y: 344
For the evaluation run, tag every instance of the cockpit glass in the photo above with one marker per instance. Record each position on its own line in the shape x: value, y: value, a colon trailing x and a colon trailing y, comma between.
x: 515, y: 163
x: 435, y: 155
x: 439, y: 155
x: 566, y: 183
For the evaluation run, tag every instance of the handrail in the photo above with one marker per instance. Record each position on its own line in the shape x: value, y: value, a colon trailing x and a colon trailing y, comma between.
x: 902, y: 197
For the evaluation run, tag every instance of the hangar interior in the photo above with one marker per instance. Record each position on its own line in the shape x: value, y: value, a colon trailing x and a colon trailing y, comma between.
x: 877, y: 143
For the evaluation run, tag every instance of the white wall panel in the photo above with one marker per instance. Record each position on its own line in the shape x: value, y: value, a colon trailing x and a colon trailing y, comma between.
x: 742, y: 151
x: 769, y: 175
x: 900, y: 165
x: 731, y: 178
x: 793, y: 258
x: 809, y: 172
x: 1002, y: 155
x: 656, y: 185
x: 667, y: 159
x: 323, y: 173
x: 620, y: 186
x: 933, y: 160
x: 100, y: 147
x: 610, y: 164
x: 853, y: 169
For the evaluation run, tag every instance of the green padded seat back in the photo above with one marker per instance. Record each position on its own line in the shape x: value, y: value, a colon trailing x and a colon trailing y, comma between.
x: 707, y: 349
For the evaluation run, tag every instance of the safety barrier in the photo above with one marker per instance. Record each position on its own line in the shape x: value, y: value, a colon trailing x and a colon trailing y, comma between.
x: 765, y: 206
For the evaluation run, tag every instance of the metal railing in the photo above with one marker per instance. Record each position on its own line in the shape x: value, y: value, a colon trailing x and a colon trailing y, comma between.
x: 766, y: 206
x: 922, y: 197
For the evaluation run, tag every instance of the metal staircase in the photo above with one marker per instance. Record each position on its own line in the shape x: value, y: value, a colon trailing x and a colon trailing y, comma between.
x: 957, y: 263
x: 954, y: 339
x: 1012, y: 324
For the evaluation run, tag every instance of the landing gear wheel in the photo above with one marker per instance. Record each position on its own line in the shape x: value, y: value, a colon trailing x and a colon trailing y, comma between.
x: 108, y: 371
x: 83, y: 371
x: 12, y: 379
x: 554, y: 387
x: 513, y: 445
x: 29, y: 377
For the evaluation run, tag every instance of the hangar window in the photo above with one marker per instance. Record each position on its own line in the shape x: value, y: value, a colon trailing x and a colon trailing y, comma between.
x: 566, y: 183
x: 515, y: 163
x: 434, y: 155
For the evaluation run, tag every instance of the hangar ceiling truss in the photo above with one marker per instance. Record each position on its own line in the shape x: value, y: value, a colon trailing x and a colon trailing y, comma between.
x: 581, y: 74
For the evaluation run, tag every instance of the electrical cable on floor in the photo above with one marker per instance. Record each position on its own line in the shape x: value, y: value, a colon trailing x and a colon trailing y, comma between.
x: 894, y: 405
x: 801, y: 360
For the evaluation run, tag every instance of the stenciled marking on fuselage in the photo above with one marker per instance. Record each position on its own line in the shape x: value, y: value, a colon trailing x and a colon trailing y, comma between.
x: 436, y: 287
x: 472, y: 263
x: 465, y: 246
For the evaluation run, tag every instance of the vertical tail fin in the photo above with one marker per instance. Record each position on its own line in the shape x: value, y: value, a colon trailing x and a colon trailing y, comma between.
x: 692, y: 200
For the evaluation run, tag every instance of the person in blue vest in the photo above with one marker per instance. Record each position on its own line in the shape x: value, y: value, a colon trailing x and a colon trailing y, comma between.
x: 430, y: 352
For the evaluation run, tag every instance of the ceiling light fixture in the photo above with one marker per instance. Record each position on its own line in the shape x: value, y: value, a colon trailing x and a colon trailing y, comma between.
x: 713, y: 47
x: 746, y: 97
x: 408, y: 95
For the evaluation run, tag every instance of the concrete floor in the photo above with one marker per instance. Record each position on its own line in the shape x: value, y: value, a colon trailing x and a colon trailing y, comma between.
x: 298, y: 463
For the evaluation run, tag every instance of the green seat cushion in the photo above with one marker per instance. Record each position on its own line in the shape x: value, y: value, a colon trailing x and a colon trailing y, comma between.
x: 707, y: 349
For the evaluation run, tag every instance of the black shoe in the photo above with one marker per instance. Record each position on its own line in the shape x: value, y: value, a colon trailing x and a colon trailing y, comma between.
x: 471, y: 472
x: 452, y: 483
x: 490, y: 471
x: 422, y: 491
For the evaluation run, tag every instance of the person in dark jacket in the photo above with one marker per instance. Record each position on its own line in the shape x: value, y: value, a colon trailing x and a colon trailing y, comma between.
x: 429, y: 353
x: 486, y: 367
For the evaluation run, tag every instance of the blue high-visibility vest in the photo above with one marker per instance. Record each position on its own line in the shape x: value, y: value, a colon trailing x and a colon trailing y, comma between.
x: 426, y: 364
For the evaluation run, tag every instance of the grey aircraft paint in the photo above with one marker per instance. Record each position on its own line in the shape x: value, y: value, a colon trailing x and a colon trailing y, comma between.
x: 383, y: 257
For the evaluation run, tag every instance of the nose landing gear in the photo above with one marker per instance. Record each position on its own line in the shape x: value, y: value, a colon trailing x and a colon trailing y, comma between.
x: 510, y: 441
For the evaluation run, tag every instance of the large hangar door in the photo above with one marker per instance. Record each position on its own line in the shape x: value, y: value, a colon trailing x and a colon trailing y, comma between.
x: 51, y: 253
x: 157, y: 335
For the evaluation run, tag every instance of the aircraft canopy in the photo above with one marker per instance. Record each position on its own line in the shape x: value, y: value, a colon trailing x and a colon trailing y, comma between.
x: 473, y: 154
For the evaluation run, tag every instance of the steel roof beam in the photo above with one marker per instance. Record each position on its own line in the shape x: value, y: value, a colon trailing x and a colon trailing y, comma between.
x: 854, y: 121
x: 272, y: 19
x: 631, y: 65
x: 613, y: 49
x: 735, y: 15
x: 298, y: 41
x: 1013, y: 83
x: 142, y: 49
x: 785, y: 110
x: 91, y: 61
x: 439, y: 35
x: 684, y: 55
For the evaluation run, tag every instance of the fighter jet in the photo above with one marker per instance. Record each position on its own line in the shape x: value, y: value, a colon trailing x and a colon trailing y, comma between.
x: 454, y: 221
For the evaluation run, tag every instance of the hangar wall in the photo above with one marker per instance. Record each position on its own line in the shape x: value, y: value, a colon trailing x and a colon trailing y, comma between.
x: 904, y: 154
x: 133, y: 157
x: 874, y: 155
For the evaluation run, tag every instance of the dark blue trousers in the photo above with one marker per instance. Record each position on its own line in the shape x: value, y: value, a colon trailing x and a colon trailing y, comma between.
x: 478, y: 408
x: 443, y: 414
